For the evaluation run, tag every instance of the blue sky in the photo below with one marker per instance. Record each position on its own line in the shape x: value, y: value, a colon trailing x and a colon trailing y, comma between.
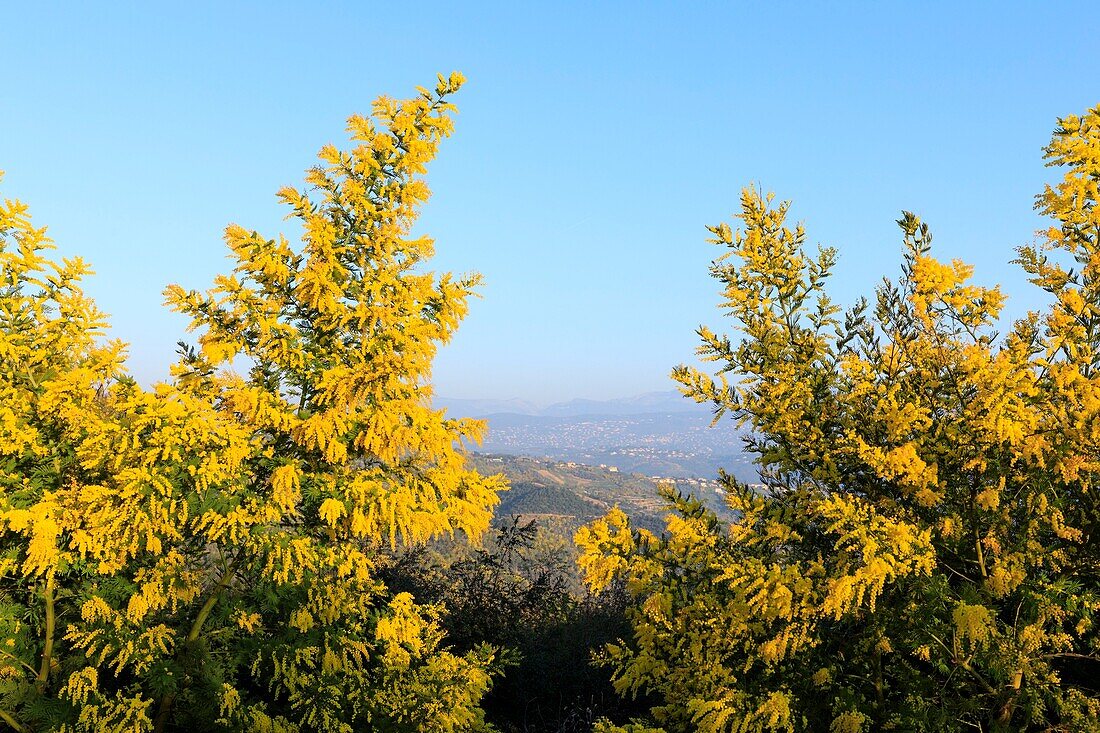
x: 595, y: 141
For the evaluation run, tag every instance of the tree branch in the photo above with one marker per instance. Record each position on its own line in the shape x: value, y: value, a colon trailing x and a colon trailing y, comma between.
x: 11, y: 721
x: 166, y: 702
x: 51, y: 626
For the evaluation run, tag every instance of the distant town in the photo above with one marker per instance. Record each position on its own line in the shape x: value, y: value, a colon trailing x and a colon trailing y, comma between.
x: 680, y: 445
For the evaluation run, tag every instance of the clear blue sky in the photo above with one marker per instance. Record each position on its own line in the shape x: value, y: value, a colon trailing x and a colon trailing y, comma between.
x: 594, y: 143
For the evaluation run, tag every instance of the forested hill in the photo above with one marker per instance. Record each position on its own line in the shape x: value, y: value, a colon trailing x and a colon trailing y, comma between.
x: 563, y: 495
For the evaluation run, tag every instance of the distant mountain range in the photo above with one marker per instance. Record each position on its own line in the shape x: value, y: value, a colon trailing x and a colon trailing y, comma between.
x: 650, y: 403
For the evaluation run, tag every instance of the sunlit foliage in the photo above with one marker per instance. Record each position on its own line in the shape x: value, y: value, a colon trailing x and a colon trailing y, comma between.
x: 202, y: 555
x: 924, y: 555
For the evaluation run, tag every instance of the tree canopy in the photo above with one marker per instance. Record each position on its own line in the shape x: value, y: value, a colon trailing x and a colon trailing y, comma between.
x: 924, y: 554
x: 202, y: 554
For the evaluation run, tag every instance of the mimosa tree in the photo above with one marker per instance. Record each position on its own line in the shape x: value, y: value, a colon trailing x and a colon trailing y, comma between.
x: 926, y: 552
x: 201, y: 555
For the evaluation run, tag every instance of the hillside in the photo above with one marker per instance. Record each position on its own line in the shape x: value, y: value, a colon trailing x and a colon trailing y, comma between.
x: 564, y: 495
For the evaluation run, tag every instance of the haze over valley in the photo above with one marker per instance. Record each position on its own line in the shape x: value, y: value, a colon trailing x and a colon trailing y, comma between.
x: 658, y: 434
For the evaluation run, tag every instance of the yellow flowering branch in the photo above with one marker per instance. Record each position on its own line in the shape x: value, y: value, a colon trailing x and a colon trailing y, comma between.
x: 14, y: 658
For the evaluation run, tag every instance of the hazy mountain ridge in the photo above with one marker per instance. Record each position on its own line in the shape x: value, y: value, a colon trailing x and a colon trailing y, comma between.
x: 456, y: 407
x: 669, y: 401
